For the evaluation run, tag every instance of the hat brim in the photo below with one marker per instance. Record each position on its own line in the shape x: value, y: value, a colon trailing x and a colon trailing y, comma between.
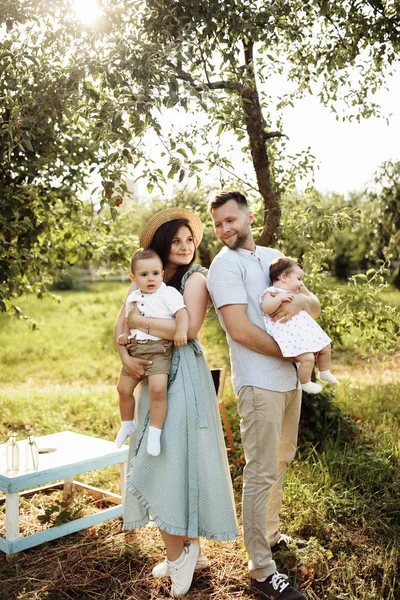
x: 171, y: 214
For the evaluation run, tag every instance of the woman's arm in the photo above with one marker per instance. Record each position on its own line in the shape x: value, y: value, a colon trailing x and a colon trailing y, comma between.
x: 196, y: 302
x: 134, y: 366
x: 162, y: 328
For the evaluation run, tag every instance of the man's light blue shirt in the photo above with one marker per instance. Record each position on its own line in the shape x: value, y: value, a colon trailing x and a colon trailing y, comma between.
x: 240, y: 277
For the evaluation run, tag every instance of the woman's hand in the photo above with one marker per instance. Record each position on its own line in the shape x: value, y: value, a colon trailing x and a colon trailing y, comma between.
x: 135, y: 366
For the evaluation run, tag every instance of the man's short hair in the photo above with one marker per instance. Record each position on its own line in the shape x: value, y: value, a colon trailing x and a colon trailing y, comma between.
x: 224, y: 197
x: 143, y: 254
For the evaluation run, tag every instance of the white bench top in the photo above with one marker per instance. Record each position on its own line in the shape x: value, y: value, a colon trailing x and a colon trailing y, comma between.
x: 74, y: 453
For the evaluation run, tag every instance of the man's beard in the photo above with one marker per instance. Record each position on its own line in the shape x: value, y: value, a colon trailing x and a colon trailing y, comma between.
x: 240, y: 240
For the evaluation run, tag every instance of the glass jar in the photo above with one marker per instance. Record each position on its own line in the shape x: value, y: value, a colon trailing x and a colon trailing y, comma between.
x: 31, y: 454
x: 12, y: 453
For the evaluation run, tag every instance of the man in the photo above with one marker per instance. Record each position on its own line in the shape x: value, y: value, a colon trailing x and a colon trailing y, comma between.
x: 266, y: 384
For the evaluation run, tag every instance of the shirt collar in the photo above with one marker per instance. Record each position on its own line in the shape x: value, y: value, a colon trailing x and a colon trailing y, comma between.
x: 160, y: 289
x: 245, y: 252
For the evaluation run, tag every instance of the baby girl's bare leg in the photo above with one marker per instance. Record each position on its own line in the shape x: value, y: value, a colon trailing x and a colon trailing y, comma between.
x: 306, y: 361
x: 324, y: 363
x: 324, y: 358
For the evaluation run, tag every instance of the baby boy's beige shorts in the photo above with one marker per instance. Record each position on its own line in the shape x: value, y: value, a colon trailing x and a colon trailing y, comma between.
x: 159, y: 351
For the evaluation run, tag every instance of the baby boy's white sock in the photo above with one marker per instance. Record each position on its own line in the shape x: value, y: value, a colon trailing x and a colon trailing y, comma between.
x: 311, y: 388
x: 327, y: 376
x: 126, y: 430
x: 153, y: 441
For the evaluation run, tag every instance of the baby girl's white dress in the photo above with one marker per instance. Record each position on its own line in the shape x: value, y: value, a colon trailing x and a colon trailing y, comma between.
x: 298, y: 335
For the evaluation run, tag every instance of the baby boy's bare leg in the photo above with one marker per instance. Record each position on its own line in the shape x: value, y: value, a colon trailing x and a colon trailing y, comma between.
x: 126, y: 386
x: 158, y: 399
x: 158, y: 411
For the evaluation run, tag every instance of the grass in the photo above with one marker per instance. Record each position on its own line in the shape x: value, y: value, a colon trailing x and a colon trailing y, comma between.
x: 343, y: 497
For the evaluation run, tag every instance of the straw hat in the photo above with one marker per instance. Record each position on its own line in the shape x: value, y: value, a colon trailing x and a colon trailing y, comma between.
x: 170, y: 214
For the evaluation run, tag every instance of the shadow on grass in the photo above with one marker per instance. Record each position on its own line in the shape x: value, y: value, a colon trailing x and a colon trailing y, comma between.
x: 107, y: 563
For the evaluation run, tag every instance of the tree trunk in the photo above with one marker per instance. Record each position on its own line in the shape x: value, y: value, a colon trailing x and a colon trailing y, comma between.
x: 255, y: 125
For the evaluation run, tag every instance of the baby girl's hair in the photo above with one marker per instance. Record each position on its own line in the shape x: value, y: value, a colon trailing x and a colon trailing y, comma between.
x: 283, y: 264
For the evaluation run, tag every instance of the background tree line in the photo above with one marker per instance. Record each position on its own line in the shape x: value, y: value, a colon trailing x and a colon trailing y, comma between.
x: 80, y: 104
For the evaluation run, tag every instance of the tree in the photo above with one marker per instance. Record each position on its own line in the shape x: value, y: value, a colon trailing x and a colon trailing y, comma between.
x: 46, y: 150
x: 384, y: 222
x: 220, y: 57
x: 76, y: 100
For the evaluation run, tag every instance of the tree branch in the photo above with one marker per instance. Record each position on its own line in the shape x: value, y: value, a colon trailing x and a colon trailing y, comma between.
x: 212, y: 85
x: 274, y: 134
x: 379, y: 8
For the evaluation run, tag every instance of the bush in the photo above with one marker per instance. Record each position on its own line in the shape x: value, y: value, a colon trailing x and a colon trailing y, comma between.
x: 321, y: 420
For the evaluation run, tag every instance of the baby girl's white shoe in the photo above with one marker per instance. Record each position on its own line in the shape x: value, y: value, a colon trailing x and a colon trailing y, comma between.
x: 311, y: 388
x: 328, y: 377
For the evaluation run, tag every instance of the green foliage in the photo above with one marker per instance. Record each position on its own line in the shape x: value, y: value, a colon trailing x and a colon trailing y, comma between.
x: 79, y: 102
x: 341, y: 495
x: 384, y: 222
x: 321, y: 419
x: 356, y: 308
x: 47, y: 153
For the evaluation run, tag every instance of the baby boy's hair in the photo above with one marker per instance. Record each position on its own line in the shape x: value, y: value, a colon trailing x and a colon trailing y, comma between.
x: 283, y: 264
x: 142, y: 254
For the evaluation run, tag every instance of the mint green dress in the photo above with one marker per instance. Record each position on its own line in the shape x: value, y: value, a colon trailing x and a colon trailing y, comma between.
x: 187, y: 489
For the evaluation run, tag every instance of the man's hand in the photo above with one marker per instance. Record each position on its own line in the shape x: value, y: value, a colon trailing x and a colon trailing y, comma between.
x: 180, y: 339
x: 289, y: 309
x: 288, y: 297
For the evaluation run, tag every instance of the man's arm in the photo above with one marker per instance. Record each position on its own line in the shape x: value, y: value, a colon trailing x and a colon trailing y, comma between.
x: 244, y: 332
x: 303, y: 301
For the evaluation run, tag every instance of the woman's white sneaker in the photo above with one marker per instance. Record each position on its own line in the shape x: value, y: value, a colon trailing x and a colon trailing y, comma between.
x: 182, y: 574
x: 161, y: 570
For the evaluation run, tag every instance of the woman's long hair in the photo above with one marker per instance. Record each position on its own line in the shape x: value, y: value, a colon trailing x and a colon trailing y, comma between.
x: 162, y: 242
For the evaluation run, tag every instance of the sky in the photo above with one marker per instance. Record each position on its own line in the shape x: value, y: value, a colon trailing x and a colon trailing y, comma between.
x: 349, y: 153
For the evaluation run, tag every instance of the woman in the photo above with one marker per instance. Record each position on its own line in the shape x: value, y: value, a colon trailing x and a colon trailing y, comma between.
x: 187, y: 488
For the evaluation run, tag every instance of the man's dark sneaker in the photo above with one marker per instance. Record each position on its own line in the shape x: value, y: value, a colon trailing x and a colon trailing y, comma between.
x: 277, y: 586
x: 285, y: 542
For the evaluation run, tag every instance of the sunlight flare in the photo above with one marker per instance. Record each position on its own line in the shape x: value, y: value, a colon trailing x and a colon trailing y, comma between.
x: 87, y: 11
